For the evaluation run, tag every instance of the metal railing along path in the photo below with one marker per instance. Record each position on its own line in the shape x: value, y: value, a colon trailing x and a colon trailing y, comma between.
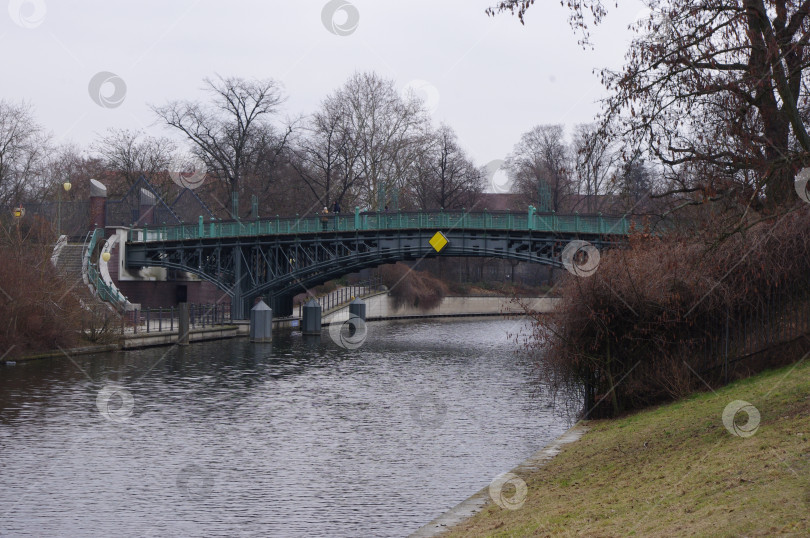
x: 152, y: 320
x: 344, y: 295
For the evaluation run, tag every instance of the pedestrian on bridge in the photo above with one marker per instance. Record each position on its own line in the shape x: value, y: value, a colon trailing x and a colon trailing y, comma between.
x: 324, y: 218
x: 336, y: 208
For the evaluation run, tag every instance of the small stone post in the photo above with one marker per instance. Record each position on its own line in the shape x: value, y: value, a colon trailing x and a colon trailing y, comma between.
x: 311, y: 318
x: 182, y: 325
x: 358, y: 308
x: 261, y: 323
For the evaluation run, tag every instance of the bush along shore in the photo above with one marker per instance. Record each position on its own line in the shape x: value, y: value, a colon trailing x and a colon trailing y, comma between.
x: 670, y: 314
x: 730, y: 462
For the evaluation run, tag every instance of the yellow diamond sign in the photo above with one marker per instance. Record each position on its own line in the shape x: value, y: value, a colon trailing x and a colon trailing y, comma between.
x: 438, y: 241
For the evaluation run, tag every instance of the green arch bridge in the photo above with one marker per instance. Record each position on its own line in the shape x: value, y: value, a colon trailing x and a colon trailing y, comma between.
x: 279, y: 258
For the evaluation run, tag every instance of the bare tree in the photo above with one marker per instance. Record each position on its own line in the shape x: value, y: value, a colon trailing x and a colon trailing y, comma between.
x: 389, y: 130
x: 23, y: 151
x: 69, y: 163
x: 580, y: 12
x: 595, y: 162
x: 719, y: 86
x: 540, y: 164
x: 445, y: 177
x: 270, y: 164
x: 634, y: 182
x: 129, y: 154
x: 328, y: 156
x: 232, y: 133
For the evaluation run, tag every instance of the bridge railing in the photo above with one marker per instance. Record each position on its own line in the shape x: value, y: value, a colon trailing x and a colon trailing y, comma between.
x: 389, y: 220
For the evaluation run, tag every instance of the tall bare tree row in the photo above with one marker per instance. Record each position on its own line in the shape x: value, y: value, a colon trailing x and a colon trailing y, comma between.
x: 589, y: 174
x: 371, y: 147
x: 23, y: 153
x: 365, y: 146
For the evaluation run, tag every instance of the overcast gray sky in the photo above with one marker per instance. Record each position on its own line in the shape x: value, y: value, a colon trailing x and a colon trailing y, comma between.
x: 489, y: 78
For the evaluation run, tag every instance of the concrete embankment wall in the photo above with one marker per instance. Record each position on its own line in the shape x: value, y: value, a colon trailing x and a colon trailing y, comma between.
x: 165, y: 338
x: 383, y: 306
x: 135, y: 341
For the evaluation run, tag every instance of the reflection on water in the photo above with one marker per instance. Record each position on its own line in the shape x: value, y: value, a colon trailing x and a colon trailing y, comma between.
x: 295, y: 438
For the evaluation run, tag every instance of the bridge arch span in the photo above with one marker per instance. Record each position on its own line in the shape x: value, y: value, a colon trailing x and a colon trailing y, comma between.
x: 282, y: 266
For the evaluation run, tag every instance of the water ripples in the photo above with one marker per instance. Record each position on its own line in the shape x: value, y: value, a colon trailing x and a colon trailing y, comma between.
x: 290, y: 438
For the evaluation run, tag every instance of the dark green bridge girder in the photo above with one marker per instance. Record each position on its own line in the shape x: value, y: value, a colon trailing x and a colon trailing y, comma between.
x: 278, y: 259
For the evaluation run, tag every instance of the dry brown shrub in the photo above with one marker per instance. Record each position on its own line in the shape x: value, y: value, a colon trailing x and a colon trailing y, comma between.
x: 409, y: 287
x: 99, y: 323
x: 628, y: 332
x: 37, y: 309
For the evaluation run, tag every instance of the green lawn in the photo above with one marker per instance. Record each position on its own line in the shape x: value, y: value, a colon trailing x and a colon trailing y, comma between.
x: 676, y: 470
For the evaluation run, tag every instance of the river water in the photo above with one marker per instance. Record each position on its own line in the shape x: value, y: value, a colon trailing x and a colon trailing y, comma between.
x: 295, y: 438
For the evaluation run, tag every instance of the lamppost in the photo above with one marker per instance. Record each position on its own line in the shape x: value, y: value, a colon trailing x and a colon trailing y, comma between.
x: 66, y: 185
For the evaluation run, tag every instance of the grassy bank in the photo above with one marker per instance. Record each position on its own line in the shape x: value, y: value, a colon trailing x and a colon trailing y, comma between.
x: 677, y: 470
